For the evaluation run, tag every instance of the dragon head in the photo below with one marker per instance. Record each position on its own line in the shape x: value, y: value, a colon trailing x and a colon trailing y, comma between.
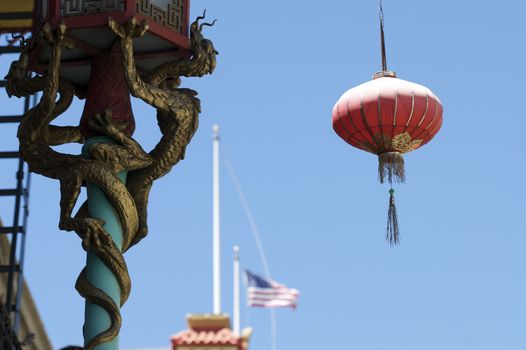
x: 17, y: 72
x: 203, y: 49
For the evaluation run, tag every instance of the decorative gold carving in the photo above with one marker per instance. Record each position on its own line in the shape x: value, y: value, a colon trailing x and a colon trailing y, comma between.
x: 177, y: 108
x: 399, y: 143
x: 171, y: 16
x: 403, y: 143
x: 36, y: 136
x: 177, y: 115
x: 88, y: 7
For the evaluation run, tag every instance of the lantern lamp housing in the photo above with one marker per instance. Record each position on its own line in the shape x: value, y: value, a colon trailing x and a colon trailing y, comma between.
x: 87, y: 27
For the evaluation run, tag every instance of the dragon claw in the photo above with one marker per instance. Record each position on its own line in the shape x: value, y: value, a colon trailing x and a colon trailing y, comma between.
x: 54, y: 37
x: 95, y: 236
x: 115, y: 27
x: 142, y: 28
x: 130, y: 29
x: 98, y: 122
x: 103, y: 123
x: 61, y: 32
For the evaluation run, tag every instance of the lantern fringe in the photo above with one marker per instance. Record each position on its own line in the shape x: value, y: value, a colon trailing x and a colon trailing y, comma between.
x: 391, y: 167
x: 393, y: 232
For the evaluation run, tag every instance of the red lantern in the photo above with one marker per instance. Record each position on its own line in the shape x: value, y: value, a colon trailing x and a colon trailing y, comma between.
x: 388, y: 117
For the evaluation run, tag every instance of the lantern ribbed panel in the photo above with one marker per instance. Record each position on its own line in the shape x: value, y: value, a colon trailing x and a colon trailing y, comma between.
x: 387, y: 115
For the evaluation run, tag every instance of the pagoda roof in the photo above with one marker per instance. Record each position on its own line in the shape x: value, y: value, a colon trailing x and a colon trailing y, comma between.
x: 211, y: 330
x: 223, y: 336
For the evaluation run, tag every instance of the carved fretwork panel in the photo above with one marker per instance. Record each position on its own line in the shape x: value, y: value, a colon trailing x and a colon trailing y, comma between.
x: 170, y: 15
x: 88, y: 7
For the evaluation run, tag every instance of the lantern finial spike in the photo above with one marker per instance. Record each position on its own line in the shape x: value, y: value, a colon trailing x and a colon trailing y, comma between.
x: 382, y: 37
x: 384, y: 72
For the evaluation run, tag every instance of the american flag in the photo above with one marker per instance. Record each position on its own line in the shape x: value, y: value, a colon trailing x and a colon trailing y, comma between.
x: 262, y: 292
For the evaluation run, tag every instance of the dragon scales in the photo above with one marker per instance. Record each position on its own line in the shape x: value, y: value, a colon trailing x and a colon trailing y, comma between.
x: 177, y: 115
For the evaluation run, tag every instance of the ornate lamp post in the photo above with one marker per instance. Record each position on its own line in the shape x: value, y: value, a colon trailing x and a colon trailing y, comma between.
x: 104, y: 51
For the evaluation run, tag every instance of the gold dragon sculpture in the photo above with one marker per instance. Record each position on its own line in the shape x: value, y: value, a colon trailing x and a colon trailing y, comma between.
x: 177, y: 115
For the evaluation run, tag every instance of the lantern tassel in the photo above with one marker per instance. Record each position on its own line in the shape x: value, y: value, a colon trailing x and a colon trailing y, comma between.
x: 393, y: 233
x: 391, y: 166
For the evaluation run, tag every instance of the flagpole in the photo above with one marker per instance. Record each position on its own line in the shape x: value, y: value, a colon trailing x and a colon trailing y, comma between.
x: 273, y: 329
x: 216, y: 224
x: 236, y: 291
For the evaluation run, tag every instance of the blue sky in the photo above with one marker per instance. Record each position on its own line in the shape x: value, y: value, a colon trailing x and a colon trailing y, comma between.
x: 457, y: 279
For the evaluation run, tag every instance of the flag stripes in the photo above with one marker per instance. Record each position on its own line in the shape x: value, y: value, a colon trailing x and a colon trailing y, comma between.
x: 267, y: 293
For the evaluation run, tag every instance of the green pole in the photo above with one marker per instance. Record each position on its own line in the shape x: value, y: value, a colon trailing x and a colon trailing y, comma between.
x: 97, y: 320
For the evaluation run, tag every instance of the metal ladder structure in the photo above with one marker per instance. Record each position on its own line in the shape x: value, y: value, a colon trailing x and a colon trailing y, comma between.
x: 15, y: 230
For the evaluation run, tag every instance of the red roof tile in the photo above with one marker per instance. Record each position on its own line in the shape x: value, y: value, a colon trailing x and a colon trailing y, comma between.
x: 223, y: 336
